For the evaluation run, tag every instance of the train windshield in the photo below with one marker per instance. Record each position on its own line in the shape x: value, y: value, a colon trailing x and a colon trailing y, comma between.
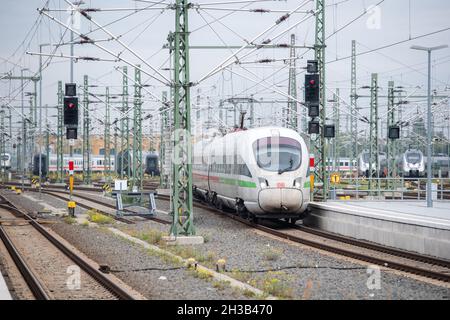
x: 413, y: 157
x: 365, y: 156
x: 152, y: 162
x: 278, y: 154
x: 5, y: 157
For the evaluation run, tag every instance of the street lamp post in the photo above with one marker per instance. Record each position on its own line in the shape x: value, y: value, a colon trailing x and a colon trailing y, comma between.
x: 429, y: 155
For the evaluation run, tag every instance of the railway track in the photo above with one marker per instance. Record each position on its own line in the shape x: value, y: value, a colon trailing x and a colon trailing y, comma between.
x: 28, y: 275
x: 92, y: 203
x: 426, y: 266
x: 149, y: 186
x: 376, y: 254
x: 39, y: 289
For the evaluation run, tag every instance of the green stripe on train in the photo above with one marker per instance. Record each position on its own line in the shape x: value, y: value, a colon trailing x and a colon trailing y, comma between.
x: 235, y: 182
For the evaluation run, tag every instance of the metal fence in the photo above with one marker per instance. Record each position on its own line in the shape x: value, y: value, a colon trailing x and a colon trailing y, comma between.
x: 389, y: 188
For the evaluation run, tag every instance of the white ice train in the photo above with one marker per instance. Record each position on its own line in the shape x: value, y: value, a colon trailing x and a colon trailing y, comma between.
x: 260, y: 173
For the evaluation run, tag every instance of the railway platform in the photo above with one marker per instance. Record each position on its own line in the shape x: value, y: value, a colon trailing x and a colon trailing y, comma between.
x: 4, y: 291
x: 407, y: 225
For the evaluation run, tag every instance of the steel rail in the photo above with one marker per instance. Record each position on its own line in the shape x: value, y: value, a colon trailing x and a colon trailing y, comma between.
x: 52, y: 192
x: 107, y: 283
x: 55, y: 194
x: 33, y: 283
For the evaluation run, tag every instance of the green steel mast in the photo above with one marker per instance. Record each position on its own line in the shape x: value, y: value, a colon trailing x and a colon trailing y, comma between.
x: 162, y: 145
x: 59, y: 135
x: 86, y: 144
x: 47, y: 139
x: 124, y: 126
x: 2, y: 141
x: 373, y: 135
x: 391, y: 145
x: 182, y: 223
x: 318, y: 141
x: 137, y: 132
x: 353, y: 112
x: 291, y: 112
x: 106, y: 140
x: 336, y: 142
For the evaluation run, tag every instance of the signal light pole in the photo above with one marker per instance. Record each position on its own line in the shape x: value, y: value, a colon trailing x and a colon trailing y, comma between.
x: 429, y: 155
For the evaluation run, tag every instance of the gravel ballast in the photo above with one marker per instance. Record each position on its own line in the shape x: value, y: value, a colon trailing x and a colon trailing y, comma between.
x: 150, y: 274
x: 281, y: 268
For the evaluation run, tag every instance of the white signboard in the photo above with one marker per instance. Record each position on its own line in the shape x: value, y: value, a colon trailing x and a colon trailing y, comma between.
x: 120, y: 185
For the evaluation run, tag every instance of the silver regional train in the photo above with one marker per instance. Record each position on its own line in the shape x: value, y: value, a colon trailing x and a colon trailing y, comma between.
x: 411, y: 164
x: 363, y: 164
x: 260, y: 173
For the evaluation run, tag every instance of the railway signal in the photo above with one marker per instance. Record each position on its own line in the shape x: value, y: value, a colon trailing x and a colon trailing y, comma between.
x: 313, y: 127
x: 394, y: 132
x: 71, y: 90
x: 329, y: 131
x: 312, y: 86
x: 312, y: 96
x: 70, y: 111
x: 71, y: 133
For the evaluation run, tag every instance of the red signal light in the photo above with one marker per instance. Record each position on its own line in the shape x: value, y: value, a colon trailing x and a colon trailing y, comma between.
x: 312, y: 82
x: 71, y: 105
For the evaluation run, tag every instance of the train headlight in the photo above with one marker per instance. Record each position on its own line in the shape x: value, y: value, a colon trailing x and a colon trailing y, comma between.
x: 263, y: 183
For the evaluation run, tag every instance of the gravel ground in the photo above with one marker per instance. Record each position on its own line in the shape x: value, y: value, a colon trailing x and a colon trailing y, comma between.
x: 280, y: 268
x: 54, y: 276
x: 300, y: 272
x: 127, y: 261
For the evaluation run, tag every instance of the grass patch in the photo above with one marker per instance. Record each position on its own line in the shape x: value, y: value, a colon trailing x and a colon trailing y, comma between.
x: 70, y: 220
x: 272, y: 254
x: 96, y: 217
x: 151, y: 236
x: 203, y: 274
x: 187, y: 252
x: 240, y: 276
x: 220, y: 284
x: 85, y: 224
x: 248, y: 293
x: 167, y: 258
x: 277, y: 285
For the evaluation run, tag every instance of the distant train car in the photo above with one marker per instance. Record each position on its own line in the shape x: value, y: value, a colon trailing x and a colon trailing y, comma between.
x: 342, y: 165
x: 97, y: 163
x: 43, y: 162
x: 152, y: 164
x: 363, y: 164
x: 411, y: 164
x: 440, y: 166
x: 6, y: 161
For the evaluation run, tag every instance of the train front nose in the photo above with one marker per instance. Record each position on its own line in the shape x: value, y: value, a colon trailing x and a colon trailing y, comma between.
x: 280, y: 199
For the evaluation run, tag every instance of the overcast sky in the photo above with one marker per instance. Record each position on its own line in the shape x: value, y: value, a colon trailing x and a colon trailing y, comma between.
x: 145, y: 32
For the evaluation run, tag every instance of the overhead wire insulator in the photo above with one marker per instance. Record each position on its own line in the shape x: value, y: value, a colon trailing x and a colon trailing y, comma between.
x: 282, y: 18
x: 260, y: 10
x: 265, y: 61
